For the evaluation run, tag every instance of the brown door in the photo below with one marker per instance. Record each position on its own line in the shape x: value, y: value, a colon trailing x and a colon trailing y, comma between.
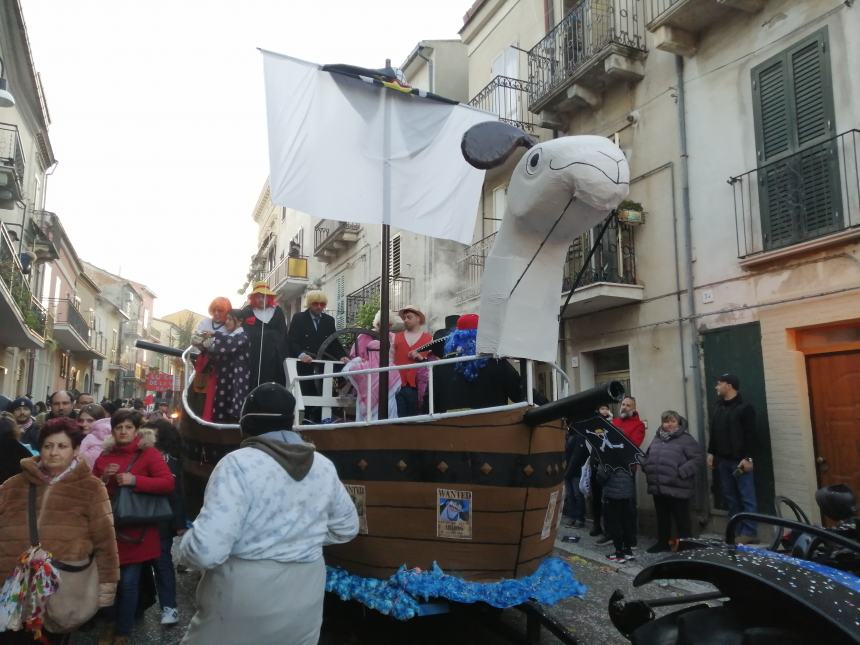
x: 834, y: 393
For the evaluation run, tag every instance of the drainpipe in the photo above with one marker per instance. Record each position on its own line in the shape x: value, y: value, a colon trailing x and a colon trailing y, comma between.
x: 698, y: 385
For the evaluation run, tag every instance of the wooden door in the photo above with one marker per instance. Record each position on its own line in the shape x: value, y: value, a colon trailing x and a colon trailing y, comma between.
x: 834, y: 397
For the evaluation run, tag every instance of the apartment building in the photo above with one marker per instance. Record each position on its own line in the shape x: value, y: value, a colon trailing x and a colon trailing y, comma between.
x: 26, y: 156
x: 739, y: 120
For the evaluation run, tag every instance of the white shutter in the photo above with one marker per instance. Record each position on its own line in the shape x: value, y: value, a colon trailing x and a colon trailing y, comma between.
x: 340, y: 285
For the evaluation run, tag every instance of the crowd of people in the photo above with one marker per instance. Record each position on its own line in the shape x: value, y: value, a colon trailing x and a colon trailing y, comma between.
x: 62, y: 473
x: 671, y: 463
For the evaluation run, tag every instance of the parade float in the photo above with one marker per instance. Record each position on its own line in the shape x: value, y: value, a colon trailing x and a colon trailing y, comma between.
x: 464, y: 506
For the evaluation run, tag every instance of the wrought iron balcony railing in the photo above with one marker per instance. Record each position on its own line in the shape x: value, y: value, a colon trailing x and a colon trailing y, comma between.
x: 67, y: 313
x: 471, y: 268
x: 589, y: 29
x: 327, y: 233
x: 509, y: 99
x: 399, y: 295
x: 16, y: 281
x: 11, y: 151
x: 800, y: 197
x: 613, y: 261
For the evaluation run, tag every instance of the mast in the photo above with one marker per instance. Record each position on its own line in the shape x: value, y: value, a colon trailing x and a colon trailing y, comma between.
x: 384, y: 290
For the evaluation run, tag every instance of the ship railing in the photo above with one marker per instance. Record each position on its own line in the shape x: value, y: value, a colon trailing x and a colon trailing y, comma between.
x: 329, y: 402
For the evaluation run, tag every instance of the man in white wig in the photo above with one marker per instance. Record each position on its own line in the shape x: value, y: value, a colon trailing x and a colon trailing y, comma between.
x: 268, y: 510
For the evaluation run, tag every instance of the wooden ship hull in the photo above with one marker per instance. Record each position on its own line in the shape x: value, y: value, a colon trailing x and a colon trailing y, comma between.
x: 506, y: 477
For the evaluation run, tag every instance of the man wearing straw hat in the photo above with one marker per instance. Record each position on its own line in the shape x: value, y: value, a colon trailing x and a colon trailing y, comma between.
x: 406, y: 343
x: 266, y: 326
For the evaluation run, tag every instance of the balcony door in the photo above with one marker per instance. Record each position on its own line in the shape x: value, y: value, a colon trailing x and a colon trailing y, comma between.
x: 797, y: 156
x: 506, y: 100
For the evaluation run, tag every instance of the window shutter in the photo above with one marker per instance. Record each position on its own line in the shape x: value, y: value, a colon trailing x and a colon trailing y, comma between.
x: 798, y: 164
x: 340, y: 286
x: 395, y: 256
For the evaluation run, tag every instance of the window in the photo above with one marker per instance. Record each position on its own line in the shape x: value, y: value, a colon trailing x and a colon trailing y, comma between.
x: 395, y: 256
x: 612, y: 365
x: 64, y: 365
x: 798, y: 172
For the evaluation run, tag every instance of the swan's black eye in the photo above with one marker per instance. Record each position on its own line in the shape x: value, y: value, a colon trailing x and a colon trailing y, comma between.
x: 533, y: 163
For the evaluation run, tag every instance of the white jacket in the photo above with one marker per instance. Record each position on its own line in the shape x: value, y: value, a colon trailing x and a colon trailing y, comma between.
x: 254, y: 510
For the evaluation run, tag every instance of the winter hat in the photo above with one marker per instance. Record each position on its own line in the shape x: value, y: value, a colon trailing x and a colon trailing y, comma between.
x: 21, y: 402
x: 268, y: 407
x: 731, y: 379
x: 467, y: 321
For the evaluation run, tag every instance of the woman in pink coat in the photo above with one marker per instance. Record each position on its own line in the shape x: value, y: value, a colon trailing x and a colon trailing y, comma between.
x: 91, y: 448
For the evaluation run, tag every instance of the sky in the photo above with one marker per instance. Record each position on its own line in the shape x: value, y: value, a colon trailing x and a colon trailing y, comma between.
x: 158, y: 121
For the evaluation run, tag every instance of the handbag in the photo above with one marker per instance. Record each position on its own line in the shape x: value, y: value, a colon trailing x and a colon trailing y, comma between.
x: 130, y: 507
x: 76, y: 599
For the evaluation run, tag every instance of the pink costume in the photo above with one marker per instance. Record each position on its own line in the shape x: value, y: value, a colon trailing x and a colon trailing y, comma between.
x: 365, y: 355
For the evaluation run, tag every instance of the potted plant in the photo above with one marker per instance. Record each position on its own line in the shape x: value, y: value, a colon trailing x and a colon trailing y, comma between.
x: 630, y: 212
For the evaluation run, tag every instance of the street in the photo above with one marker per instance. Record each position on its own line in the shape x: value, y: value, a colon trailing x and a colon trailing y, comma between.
x: 351, y: 624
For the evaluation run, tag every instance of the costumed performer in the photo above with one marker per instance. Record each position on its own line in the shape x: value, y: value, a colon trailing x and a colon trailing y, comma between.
x: 365, y: 355
x: 229, y: 353
x: 205, y: 378
x: 266, y: 326
x: 482, y: 383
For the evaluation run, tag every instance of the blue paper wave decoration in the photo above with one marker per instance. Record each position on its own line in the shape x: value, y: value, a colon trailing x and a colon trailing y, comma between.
x: 844, y: 578
x: 399, y: 595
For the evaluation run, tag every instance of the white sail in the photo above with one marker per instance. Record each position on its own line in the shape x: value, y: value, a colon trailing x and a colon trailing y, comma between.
x: 327, y: 135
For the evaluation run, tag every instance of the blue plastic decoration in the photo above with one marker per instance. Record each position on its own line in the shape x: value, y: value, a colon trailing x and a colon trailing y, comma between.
x: 399, y: 595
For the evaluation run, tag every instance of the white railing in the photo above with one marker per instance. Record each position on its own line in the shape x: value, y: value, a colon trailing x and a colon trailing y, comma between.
x: 328, y: 401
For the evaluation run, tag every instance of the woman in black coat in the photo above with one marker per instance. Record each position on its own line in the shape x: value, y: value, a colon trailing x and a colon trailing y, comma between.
x: 671, y: 463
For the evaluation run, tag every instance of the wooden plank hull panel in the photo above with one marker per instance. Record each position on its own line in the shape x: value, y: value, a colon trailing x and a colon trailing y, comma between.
x: 479, y: 495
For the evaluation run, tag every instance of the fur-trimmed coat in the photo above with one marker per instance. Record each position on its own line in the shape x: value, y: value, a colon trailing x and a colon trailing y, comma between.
x: 137, y: 543
x: 75, y: 520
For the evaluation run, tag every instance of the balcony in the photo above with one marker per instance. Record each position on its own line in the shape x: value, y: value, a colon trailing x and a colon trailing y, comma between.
x: 471, y: 268
x: 25, y: 324
x: 11, y: 166
x: 609, y: 279
x: 133, y: 328
x: 154, y: 334
x: 71, y: 330
x: 597, y: 43
x: 290, y: 277
x: 800, y: 203
x: 399, y: 296
x: 676, y: 23
x: 508, y: 98
x: 331, y: 237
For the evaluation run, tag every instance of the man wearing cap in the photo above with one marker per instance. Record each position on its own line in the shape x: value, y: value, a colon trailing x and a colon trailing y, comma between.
x: 405, y: 344
x: 308, y: 331
x: 23, y: 409
x: 268, y: 509
x: 730, y: 452
x: 266, y: 326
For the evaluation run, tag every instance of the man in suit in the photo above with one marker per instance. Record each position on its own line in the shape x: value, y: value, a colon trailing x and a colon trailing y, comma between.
x: 307, y: 331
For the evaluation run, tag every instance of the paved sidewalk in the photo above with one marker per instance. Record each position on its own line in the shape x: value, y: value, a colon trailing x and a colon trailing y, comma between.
x: 588, y: 549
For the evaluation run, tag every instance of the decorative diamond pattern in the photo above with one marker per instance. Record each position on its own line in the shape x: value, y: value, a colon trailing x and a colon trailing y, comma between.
x: 441, y: 466
x: 549, y: 469
x: 362, y: 464
x: 528, y: 470
x: 486, y: 468
x: 401, y: 465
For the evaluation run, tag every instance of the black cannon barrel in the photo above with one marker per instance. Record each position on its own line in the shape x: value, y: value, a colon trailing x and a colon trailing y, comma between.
x: 161, y: 349
x: 576, y: 406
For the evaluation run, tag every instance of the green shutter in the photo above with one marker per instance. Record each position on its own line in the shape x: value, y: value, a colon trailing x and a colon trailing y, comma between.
x: 798, y: 179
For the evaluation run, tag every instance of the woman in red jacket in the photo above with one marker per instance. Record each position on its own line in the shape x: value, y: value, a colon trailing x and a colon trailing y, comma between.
x: 129, y: 458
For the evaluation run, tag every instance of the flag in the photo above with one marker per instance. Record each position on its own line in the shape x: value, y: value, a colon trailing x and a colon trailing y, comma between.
x: 326, y: 150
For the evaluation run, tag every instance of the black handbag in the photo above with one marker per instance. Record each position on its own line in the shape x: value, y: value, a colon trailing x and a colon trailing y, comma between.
x: 130, y: 507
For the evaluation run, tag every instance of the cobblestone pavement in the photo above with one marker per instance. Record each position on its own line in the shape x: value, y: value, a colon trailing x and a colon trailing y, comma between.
x: 351, y: 624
